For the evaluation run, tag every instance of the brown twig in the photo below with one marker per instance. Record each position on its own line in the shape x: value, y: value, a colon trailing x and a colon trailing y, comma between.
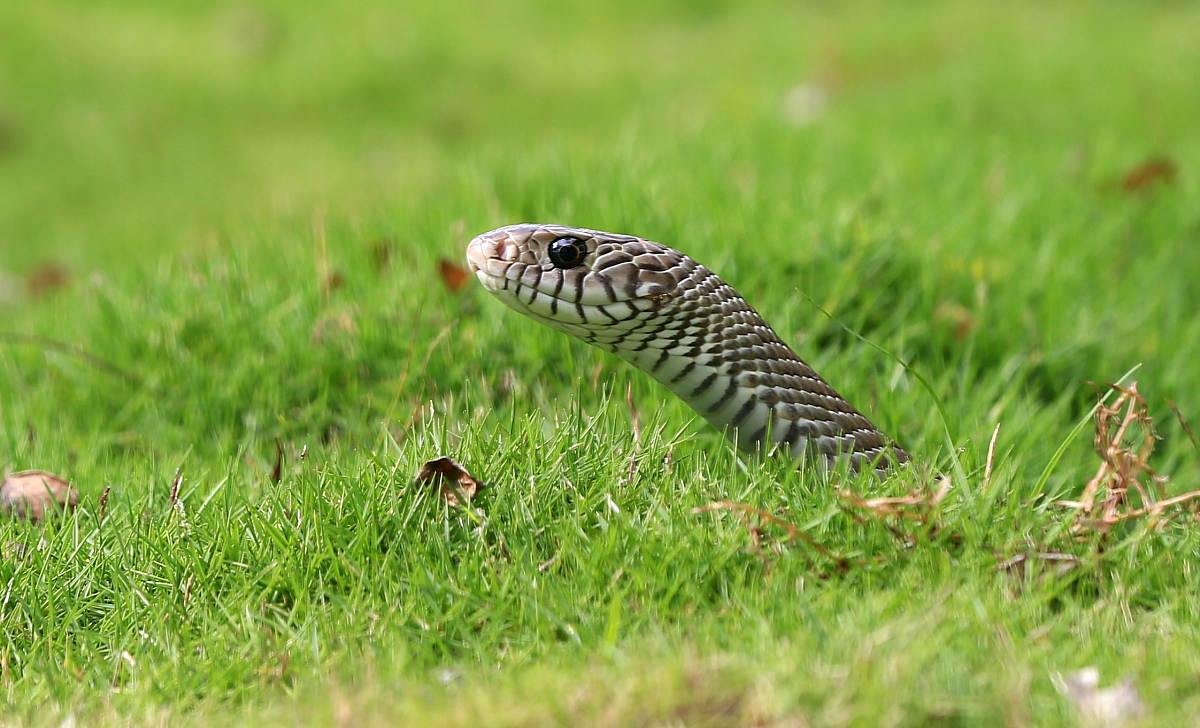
x: 918, y: 507
x: 1186, y: 427
x: 176, y: 482
x: 794, y: 533
x: 102, y: 505
x: 914, y: 506
x: 987, y: 472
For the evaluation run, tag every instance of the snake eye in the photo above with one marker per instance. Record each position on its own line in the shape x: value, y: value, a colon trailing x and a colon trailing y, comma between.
x: 567, y: 252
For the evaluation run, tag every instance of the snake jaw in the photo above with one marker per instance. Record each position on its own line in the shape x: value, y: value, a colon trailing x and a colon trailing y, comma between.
x: 487, y: 258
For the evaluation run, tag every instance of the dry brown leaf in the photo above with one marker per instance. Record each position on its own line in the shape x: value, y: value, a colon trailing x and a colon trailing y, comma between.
x: 1148, y: 174
x: 381, y: 254
x: 457, y: 485
x: 957, y: 316
x: 453, y: 275
x: 334, y: 280
x: 45, y: 278
x: 34, y: 494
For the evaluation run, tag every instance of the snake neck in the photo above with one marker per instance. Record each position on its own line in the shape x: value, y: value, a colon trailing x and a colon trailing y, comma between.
x: 710, y: 348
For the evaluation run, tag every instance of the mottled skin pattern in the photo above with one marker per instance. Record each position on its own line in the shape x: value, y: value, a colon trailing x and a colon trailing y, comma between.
x: 679, y: 322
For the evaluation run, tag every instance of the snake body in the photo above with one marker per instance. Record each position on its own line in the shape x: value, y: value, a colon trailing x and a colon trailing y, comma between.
x: 680, y: 323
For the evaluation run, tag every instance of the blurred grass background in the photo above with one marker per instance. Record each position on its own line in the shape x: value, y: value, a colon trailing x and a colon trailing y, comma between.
x: 132, y: 128
x: 241, y: 207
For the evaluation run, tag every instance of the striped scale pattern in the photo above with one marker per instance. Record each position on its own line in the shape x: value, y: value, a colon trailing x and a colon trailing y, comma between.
x: 680, y: 323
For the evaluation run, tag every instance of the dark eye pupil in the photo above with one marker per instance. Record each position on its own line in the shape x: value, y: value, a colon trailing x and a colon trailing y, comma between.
x: 567, y: 252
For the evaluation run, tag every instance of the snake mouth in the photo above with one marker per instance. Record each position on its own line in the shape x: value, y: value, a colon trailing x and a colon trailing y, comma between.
x: 486, y: 259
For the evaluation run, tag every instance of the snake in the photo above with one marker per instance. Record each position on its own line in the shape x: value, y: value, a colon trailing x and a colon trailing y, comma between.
x: 679, y: 322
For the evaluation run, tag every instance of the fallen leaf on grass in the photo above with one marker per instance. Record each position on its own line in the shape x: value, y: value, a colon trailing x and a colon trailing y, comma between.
x: 956, y: 316
x: 453, y: 275
x: 1148, y: 174
x: 34, y: 494
x: 46, y: 278
x: 334, y: 280
x: 457, y: 485
x: 381, y: 254
x: 1113, y: 706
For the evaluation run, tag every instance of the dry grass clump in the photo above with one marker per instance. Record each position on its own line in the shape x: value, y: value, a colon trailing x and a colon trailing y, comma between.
x: 1124, y: 441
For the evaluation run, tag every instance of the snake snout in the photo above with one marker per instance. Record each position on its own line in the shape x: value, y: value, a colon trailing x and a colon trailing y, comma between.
x: 488, y: 260
x: 477, y: 254
x: 494, y: 245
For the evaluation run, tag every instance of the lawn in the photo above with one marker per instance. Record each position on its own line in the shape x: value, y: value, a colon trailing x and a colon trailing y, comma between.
x: 223, y: 321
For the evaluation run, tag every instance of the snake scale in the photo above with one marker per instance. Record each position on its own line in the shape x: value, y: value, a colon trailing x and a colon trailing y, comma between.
x: 676, y: 320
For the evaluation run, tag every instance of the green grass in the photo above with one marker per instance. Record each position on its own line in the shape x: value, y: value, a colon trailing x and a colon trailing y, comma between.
x: 197, y: 168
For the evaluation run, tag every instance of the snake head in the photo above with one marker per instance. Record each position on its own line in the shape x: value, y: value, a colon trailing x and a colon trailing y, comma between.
x: 574, y: 279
